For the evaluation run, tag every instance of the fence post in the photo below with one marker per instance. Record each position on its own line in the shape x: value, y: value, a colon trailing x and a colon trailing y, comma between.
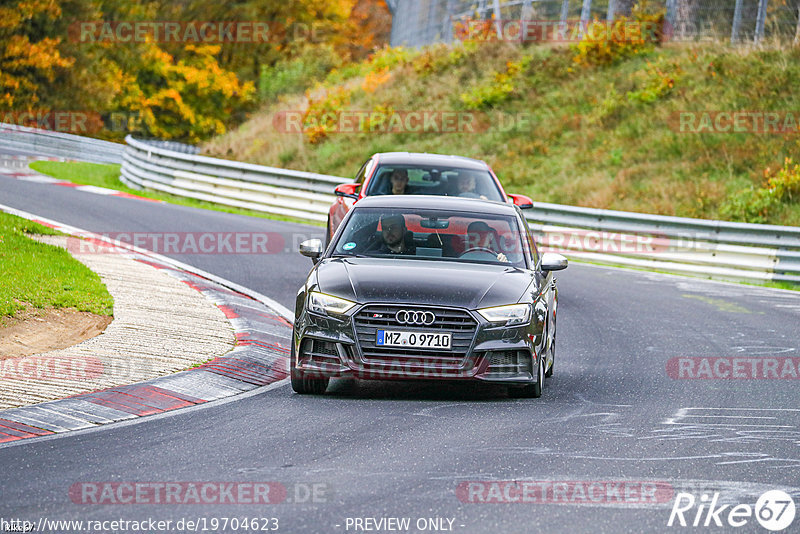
x: 497, y: 22
x: 447, y: 23
x: 762, y: 15
x: 526, y: 9
x: 612, y: 7
x: 430, y: 30
x: 586, y: 12
x: 481, y: 9
x: 737, y: 20
x: 797, y: 31
x: 671, y: 18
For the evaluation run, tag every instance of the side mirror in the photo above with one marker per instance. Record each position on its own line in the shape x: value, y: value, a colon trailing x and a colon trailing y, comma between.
x: 522, y: 201
x: 553, y: 262
x: 311, y: 248
x: 347, y: 190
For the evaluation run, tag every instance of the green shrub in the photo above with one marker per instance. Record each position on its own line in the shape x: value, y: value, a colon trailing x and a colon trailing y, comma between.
x: 384, y: 59
x: 604, y: 44
x: 498, y: 90
x: 657, y: 84
x: 322, y: 116
x: 755, y: 205
x: 296, y: 75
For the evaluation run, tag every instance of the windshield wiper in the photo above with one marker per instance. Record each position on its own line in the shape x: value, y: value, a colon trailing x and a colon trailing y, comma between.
x: 352, y: 256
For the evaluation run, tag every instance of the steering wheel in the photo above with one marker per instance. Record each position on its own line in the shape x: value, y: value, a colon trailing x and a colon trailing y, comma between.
x: 373, y: 244
x: 478, y: 249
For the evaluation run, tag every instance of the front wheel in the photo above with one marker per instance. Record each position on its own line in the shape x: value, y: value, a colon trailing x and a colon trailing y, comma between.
x: 549, y: 372
x: 301, y: 382
x: 531, y: 391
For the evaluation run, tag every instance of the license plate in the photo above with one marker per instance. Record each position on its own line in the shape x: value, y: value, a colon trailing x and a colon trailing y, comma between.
x: 425, y: 340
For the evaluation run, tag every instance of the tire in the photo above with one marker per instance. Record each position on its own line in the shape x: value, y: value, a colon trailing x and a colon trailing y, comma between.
x: 303, y: 384
x: 549, y: 372
x: 531, y: 391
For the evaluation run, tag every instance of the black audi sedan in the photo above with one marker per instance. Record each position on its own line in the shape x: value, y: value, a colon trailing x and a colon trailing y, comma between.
x: 421, y: 287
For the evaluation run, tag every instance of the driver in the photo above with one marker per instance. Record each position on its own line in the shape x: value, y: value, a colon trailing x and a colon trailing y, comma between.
x: 394, y: 236
x: 482, y: 236
x: 399, y: 180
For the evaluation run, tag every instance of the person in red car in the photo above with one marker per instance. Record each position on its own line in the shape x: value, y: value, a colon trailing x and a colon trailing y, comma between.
x: 404, y: 173
x: 466, y: 186
x: 399, y: 180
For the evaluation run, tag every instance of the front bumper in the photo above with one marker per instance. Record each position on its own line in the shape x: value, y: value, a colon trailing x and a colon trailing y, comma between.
x: 330, y: 347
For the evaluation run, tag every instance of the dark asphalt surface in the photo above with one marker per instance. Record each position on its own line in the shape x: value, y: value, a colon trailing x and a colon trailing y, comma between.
x: 610, y: 413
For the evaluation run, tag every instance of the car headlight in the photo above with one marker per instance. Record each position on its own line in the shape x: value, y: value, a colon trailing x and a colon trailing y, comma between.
x: 507, y: 315
x: 328, y: 304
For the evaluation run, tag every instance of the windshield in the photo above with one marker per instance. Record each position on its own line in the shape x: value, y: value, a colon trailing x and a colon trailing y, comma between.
x: 426, y: 180
x: 433, y: 235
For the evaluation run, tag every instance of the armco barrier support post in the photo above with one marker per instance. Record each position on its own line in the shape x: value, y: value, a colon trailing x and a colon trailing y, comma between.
x: 564, y: 11
x: 612, y: 6
x: 762, y: 15
x: 737, y: 21
x: 586, y: 12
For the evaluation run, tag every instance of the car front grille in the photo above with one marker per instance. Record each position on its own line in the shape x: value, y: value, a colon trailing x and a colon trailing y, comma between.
x: 459, y: 323
x: 508, y: 363
x: 319, y: 352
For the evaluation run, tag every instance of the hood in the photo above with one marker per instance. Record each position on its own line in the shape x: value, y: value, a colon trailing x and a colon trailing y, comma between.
x: 442, y: 283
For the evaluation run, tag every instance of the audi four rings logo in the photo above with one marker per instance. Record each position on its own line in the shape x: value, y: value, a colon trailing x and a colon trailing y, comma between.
x: 415, y: 317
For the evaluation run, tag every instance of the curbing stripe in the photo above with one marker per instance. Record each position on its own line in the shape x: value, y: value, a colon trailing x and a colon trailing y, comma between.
x: 21, y: 427
x: 29, y: 175
x: 262, y: 329
x: 87, y: 411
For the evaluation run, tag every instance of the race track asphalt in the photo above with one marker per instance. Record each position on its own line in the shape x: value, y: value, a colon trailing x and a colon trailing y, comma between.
x: 611, y: 413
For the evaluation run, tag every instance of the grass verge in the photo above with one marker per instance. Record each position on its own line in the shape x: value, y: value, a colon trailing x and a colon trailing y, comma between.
x: 107, y: 176
x: 604, y: 136
x: 44, y: 276
x: 789, y: 286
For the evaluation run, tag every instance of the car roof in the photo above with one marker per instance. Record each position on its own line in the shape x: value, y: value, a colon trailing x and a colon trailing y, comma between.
x: 440, y: 160
x: 472, y: 205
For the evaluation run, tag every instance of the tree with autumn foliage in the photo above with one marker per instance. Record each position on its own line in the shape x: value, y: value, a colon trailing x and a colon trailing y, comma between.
x: 29, y: 56
x: 172, y: 90
x: 191, y: 98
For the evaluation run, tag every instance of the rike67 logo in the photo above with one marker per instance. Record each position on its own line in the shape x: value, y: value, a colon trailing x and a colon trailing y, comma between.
x: 774, y: 510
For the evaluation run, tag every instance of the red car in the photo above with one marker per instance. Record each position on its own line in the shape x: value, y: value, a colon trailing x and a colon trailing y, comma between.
x: 405, y: 173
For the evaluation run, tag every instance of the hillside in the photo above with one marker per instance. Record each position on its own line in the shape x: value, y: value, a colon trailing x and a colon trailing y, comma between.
x: 586, y: 133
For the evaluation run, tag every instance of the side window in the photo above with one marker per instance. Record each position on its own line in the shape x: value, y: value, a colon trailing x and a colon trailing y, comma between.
x: 362, y: 173
x: 531, y: 243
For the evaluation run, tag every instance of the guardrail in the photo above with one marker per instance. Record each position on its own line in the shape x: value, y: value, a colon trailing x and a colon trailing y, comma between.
x: 714, y: 249
x: 304, y: 195
x: 34, y: 141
